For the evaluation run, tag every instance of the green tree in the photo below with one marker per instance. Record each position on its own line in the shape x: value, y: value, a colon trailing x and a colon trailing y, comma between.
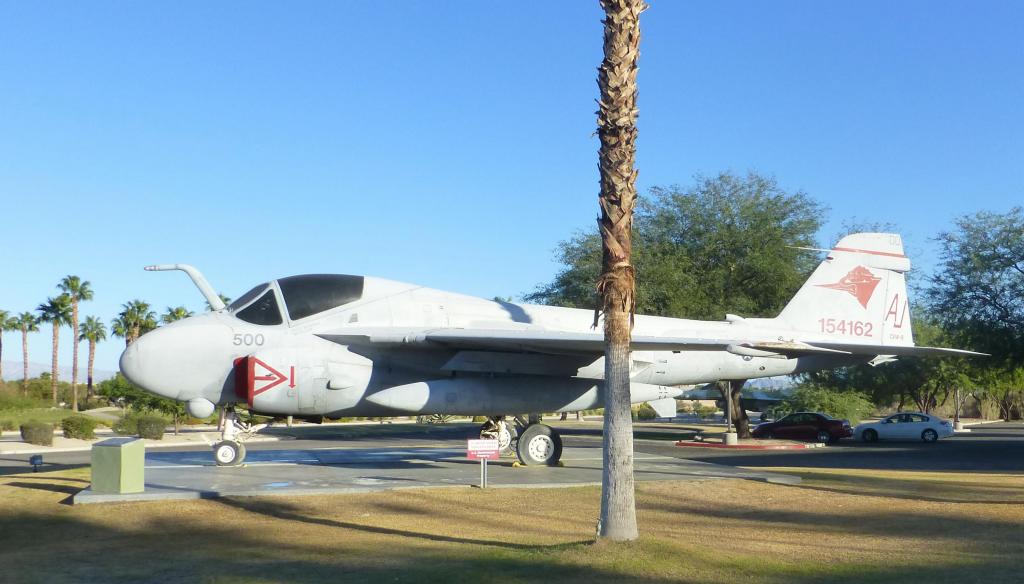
x: 978, y: 290
x: 616, y: 286
x: 175, y: 313
x: 27, y: 323
x: 93, y: 332
x: 78, y: 290
x: 56, y: 310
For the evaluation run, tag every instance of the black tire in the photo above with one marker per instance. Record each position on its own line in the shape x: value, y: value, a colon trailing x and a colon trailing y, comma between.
x: 929, y: 435
x: 870, y: 436
x: 769, y: 435
x: 228, y: 453
x: 824, y: 437
x: 539, y: 445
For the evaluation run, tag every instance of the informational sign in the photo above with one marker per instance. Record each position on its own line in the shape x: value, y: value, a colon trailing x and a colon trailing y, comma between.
x: 482, y: 449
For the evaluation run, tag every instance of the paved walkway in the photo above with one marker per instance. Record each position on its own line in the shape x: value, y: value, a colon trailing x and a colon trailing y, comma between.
x: 193, y: 475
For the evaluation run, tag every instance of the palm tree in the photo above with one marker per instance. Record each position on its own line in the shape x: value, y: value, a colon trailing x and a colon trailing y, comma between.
x: 616, y: 128
x: 27, y: 323
x: 119, y: 328
x: 58, y: 311
x: 135, y: 320
x: 226, y: 300
x: 173, y: 314
x: 5, y: 325
x: 78, y: 290
x: 94, y: 332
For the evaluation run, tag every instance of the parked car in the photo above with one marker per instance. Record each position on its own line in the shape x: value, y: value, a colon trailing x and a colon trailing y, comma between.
x: 905, y: 426
x: 810, y: 426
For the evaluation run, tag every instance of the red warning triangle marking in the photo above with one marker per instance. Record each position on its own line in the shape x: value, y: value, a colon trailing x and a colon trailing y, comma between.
x: 267, y: 375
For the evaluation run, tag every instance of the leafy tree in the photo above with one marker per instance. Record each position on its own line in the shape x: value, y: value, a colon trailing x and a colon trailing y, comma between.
x: 77, y: 290
x: 175, y: 313
x: 978, y: 290
x: 56, y: 310
x: 616, y: 286
x: 27, y: 323
x: 926, y: 383
x: 94, y: 332
x: 122, y: 391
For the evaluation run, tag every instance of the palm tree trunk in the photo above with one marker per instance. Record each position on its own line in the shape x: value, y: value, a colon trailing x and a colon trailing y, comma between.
x: 24, y: 360
x: 53, y: 367
x: 616, y: 128
x: 92, y: 357
x: 74, y: 357
x: 1, y: 355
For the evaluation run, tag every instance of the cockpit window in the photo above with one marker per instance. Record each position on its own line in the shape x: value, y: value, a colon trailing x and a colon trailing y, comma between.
x: 264, y: 311
x: 308, y: 295
x: 247, y: 297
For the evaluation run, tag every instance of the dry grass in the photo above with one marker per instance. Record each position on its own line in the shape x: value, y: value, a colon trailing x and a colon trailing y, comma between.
x: 708, y: 531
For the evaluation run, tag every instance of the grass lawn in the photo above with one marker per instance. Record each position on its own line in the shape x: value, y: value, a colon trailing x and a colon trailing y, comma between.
x: 692, y: 531
x: 48, y: 415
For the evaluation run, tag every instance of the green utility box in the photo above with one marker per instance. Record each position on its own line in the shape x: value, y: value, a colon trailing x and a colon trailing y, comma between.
x: 118, y: 466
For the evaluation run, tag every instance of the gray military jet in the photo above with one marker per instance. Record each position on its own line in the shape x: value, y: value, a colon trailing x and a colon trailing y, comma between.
x: 341, y: 345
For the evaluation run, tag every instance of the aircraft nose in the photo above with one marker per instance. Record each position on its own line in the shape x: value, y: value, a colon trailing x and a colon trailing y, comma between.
x: 180, y: 361
x: 130, y: 364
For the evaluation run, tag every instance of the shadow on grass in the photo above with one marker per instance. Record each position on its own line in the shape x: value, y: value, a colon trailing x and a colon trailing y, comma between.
x: 994, y: 534
x: 281, y: 510
x: 913, y: 489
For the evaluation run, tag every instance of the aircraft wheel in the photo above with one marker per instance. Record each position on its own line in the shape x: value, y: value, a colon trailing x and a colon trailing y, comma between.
x: 507, y: 438
x: 228, y: 453
x: 539, y: 444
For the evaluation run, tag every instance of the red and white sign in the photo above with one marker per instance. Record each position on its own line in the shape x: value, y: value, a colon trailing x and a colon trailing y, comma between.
x: 482, y: 449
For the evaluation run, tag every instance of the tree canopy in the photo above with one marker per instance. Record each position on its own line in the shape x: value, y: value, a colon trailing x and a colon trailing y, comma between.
x: 724, y: 244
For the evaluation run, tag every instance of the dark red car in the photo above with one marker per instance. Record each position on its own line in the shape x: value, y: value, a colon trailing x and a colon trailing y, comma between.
x: 809, y: 426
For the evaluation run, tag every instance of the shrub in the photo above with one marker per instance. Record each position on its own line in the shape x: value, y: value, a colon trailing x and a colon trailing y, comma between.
x: 851, y: 405
x: 37, y: 433
x: 81, y: 427
x: 646, y: 412
x: 151, y: 427
x: 6, y: 425
x: 127, y: 426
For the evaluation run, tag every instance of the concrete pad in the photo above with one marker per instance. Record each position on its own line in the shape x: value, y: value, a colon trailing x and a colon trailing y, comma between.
x: 193, y: 475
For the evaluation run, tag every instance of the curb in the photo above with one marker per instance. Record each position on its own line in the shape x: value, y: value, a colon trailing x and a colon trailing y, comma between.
x: 688, y: 443
x: 149, y: 444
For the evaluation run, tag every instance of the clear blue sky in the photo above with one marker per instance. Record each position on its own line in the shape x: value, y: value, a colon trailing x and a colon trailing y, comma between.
x: 451, y: 144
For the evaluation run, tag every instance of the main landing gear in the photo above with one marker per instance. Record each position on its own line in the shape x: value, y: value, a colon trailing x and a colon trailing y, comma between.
x: 534, y: 444
x: 230, y: 450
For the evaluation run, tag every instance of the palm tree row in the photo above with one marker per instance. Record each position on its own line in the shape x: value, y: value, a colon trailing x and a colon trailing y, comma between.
x: 134, y: 320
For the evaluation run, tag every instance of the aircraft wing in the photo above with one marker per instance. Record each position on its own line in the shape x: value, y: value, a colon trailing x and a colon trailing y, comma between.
x: 523, y: 340
x: 592, y: 343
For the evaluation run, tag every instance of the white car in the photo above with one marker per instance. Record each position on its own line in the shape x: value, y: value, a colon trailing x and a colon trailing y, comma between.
x: 905, y: 426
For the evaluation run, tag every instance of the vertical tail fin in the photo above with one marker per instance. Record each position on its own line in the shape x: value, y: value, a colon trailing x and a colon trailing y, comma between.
x: 858, y: 293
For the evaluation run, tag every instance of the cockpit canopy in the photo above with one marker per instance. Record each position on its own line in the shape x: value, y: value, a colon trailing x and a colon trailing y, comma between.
x: 303, y: 296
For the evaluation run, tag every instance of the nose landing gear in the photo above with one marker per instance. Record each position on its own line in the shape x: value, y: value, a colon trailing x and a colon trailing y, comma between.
x: 230, y: 450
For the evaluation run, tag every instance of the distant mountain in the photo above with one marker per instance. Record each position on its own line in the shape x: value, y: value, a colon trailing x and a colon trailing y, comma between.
x: 12, y: 372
